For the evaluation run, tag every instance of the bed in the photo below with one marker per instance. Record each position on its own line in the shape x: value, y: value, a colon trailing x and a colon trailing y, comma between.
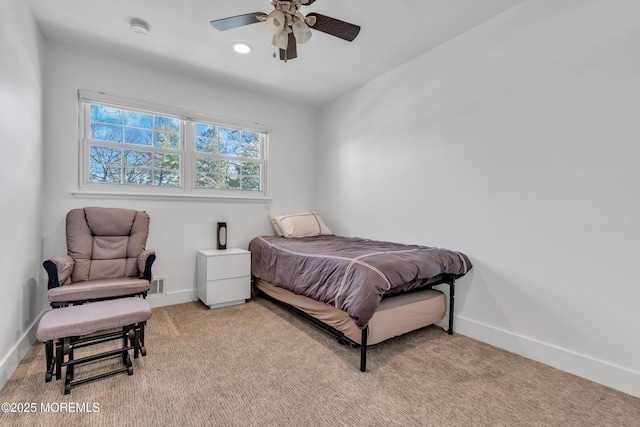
x: 361, y: 291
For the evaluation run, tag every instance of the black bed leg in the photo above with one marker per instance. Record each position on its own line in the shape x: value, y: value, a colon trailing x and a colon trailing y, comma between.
x: 452, y: 292
x: 363, y: 350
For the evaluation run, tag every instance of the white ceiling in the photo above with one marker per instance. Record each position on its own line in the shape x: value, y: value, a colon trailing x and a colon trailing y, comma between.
x: 392, y: 33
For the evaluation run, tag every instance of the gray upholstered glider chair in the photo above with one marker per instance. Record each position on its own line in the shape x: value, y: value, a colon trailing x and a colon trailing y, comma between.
x: 106, y: 257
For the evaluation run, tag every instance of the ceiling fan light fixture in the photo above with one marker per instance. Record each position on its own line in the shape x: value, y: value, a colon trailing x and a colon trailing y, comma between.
x: 242, y: 47
x: 139, y: 26
x: 281, y: 40
x: 301, y: 31
x: 276, y: 22
x: 288, y: 26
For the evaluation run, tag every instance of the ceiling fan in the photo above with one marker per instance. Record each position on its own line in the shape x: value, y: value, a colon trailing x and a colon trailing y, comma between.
x: 289, y: 26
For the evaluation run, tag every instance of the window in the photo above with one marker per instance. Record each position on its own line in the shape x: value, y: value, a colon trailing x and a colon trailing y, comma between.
x: 227, y: 158
x: 132, y: 147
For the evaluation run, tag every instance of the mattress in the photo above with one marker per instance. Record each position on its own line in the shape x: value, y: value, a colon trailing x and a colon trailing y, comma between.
x: 394, y: 316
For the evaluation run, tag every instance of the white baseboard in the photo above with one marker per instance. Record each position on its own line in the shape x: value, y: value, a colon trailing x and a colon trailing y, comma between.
x: 172, y: 298
x: 9, y: 364
x: 601, y: 372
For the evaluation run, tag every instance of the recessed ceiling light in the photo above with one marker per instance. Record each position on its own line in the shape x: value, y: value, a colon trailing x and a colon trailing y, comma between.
x: 139, y: 26
x: 242, y: 47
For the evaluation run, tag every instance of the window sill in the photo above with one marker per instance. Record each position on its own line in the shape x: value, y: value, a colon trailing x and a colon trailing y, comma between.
x: 154, y: 196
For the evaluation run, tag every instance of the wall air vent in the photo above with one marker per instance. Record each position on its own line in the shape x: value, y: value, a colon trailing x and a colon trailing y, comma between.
x: 157, y: 286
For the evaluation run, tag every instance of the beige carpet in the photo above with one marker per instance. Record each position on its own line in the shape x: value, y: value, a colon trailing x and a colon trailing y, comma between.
x: 256, y: 364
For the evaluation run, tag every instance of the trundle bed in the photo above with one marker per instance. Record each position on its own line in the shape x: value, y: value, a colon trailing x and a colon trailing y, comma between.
x: 360, y: 291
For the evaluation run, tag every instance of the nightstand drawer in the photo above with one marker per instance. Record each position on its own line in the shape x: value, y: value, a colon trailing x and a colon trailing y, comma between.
x: 229, y: 266
x: 227, y: 290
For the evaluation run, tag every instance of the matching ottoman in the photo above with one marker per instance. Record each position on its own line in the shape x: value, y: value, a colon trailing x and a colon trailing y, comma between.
x: 66, y: 329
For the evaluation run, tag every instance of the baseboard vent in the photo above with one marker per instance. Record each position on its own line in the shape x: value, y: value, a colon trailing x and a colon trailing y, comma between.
x: 157, y: 286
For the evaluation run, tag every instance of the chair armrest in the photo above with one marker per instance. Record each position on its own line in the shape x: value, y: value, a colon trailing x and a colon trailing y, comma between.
x: 59, y: 269
x: 145, y: 261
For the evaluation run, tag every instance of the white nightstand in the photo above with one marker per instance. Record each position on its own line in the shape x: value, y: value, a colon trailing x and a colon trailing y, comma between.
x: 223, y: 276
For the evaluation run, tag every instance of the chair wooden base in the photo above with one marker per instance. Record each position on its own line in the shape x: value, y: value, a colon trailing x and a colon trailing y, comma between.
x: 61, y: 354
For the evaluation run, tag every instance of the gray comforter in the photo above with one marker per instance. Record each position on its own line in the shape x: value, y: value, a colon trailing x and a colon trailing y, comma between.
x: 351, y: 274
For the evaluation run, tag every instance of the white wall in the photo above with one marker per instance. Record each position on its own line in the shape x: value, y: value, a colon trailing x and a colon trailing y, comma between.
x: 516, y: 143
x: 22, y: 298
x: 178, y: 228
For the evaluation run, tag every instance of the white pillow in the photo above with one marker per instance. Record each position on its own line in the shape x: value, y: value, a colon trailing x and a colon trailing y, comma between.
x: 302, y: 224
x: 274, y: 224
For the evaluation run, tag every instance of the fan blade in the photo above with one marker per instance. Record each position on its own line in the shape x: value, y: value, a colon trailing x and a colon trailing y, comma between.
x: 292, y: 51
x: 237, y: 21
x: 335, y: 27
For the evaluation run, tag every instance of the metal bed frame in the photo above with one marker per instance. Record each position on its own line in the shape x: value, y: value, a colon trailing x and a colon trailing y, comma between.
x: 448, y: 279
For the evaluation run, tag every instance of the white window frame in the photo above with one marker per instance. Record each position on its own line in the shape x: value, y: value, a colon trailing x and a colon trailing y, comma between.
x: 187, y: 151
